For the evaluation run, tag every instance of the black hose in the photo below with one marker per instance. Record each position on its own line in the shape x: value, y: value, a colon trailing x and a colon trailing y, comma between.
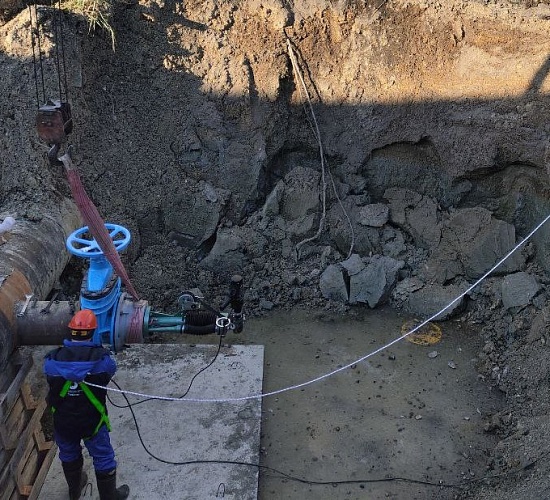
x: 200, y: 317
x: 199, y: 330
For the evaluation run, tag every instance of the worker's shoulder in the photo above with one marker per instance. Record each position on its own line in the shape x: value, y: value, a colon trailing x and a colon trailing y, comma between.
x: 80, y: 353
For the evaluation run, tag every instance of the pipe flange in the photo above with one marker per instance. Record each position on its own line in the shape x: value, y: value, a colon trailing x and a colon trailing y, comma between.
x: 128, y: 322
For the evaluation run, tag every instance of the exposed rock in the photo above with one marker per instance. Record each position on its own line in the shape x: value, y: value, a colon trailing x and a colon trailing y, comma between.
x: 370, y: 279
x: 272, y: 203
x: 416, y: 214
x: 333, y: 285
x: 366, y: 239
x: 472, y: 241
x: 302, y: 227
x: 518, y: 289
x: 373, y: 284
x: 447, y: 110
x: 192, y: 214
x: 540, y: 326
x: 432, y: 298
x: 353, y: 265
x: 233, y: 249
x: 402, y: 166
x: 375, y: 215
x: 226, y: 254
x: 393, y: 242
x: 300, y: 196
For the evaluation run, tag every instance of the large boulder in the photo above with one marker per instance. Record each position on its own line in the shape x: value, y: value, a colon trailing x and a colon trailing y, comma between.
x: 518, y: 289
x: 472, y: 241
x: 366, y: 280
x: 234, y: 247
x: 365, y: 237
x: 416, y: 214
x: 191, y: 215
x: 427, y: 299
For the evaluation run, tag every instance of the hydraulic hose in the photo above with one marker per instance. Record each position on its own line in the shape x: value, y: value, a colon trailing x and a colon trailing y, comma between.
x: 198, y: 330
x: 200, y: 318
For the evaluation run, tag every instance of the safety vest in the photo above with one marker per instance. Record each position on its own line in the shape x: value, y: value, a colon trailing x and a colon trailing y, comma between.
x: 95, y: 402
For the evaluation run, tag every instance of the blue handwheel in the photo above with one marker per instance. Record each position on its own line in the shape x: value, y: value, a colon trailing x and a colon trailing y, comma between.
x: 82, y: 244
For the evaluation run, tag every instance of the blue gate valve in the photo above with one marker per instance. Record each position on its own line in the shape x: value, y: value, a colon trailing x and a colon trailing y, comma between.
x: 98, y: 293
x: 88, y: 248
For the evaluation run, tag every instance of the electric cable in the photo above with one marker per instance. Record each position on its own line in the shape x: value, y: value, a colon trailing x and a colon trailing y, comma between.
x: 283, y: 475
x: 38, y: 56
x: 129, y: 405
x: 278, y: 473
x: 56, y: 21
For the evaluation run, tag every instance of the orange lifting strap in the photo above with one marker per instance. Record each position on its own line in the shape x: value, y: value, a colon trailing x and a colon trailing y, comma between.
x: 54, y: 122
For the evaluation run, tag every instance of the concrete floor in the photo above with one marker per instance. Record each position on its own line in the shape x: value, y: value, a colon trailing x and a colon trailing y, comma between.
x: 182, y: 431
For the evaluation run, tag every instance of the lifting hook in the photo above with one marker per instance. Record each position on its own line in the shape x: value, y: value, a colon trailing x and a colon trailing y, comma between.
x: 54, y: 123
x: 53, y: 155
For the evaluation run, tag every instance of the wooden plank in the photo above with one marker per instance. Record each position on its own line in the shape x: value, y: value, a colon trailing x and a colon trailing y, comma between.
x: 31, y: 475
x: 15, y: 424
x: 41, y: 476
x: 40, y: 440
x: 28, y: 398
x: 7, y: 375
x: 10, y: 396
x: 28, y: 471
x: 47, y: 460
x: 5, y: 456
x: 28, y: 466
x: 25, y: 455
x: 21, y: 453
x: 7, y: 484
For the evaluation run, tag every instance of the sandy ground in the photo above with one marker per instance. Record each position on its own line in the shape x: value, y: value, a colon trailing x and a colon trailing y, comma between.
x: 398, y: 414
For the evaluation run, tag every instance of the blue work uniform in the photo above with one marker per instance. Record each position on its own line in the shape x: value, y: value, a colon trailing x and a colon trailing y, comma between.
x: 79, y: 410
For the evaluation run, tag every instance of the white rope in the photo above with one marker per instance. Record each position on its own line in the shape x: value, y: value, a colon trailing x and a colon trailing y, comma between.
x: 342, y: 368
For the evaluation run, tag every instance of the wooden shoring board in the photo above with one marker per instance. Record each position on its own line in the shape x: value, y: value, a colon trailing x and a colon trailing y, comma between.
x: 22, y: 477
x: 8, y: 486
x: 12, y: 388
x: 18, y: 418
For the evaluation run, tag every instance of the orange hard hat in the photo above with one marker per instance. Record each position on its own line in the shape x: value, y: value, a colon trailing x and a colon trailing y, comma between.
x: 83, y: 320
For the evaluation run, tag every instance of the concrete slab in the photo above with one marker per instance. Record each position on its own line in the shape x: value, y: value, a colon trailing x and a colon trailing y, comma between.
x: 182, y: 431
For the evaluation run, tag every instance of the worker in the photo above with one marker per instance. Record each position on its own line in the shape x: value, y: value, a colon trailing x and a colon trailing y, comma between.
x: 79, y: 411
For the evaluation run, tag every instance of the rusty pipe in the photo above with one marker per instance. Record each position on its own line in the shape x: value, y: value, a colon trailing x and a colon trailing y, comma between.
x: 31, y: 261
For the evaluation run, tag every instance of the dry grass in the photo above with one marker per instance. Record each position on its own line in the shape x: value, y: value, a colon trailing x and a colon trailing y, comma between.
x: 96, y: 12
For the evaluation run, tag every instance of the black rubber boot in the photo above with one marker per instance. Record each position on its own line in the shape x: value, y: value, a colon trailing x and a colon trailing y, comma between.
x: 106, y: 486
x: 75, y: 477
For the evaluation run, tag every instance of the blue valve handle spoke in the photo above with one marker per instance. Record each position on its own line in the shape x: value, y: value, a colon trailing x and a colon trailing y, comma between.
x: 88, y: 247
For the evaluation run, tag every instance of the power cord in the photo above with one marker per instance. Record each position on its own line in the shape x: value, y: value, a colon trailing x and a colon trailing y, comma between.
x: 129, y: 405
x: 276, y: 472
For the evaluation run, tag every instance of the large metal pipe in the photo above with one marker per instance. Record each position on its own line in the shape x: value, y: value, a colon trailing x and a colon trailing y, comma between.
x: 44, y: 323
x: 31, y: 261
